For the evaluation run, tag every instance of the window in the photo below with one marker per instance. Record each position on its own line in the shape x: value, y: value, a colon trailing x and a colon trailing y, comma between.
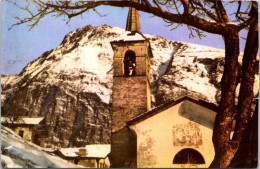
x: 21, y: 133
x: 188, y: 156
x: 76, y: 161
x: 130, y: 63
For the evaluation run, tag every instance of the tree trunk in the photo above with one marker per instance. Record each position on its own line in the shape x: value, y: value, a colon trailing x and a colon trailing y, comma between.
x: 225, y: 148
x: 247, y: 153
x: 226, y: 112
x: 245, y: 130
x: 246, y: 92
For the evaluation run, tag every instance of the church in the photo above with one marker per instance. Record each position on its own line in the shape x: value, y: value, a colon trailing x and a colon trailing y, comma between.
x: 177, y: 134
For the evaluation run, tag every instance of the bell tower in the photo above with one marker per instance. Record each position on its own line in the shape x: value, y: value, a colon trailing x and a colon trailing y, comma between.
x: 131, y: 81
x: 131, y: 90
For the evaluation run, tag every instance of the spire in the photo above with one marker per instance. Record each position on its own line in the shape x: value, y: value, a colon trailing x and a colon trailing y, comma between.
x: 132, y: 23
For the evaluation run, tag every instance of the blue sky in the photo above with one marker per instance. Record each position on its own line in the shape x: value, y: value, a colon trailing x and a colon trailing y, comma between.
x: 19, y: 46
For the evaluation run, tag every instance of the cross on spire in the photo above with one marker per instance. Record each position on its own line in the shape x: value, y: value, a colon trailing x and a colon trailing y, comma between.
x: 133, y: 23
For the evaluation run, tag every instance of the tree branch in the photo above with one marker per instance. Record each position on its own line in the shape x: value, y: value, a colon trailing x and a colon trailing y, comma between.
x: 157, y: 4
x: 186, y: 7
x: 147, y: 3
x: 211, y: 27
x: 211, y: 15
x: 221, y: 11
x: 70, y: 9
x: 238, y: 11
x: 176, y: 7
x: 252, y: 15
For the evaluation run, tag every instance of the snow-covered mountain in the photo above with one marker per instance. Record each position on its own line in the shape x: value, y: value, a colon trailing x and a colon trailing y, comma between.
x: 71, y: 85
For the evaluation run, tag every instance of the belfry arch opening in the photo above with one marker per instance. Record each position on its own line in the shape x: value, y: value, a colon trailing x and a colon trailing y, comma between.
x: 188, y: 156
x: 130, y: 63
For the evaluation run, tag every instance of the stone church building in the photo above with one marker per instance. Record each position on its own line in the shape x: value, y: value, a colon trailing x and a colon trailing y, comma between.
x: 176, y: 134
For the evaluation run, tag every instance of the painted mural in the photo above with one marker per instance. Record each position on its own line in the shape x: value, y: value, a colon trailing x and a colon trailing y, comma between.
x: 145, y: 156
x: 188, y: 134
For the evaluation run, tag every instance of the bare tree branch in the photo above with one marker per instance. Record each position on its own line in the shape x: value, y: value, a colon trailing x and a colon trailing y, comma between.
x: 75, y: 8
x: 186, y: 7
x: 221, y: 11
x: 211, y: 15
x: 157, y: 4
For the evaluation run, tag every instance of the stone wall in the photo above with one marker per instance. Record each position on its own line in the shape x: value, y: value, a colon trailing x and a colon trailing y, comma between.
x: 27, y: 132
x: 129, y: 99
x: 123, y: 149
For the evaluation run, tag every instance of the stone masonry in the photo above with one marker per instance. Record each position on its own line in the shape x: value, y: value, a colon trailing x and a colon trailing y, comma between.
x: 131, y: 97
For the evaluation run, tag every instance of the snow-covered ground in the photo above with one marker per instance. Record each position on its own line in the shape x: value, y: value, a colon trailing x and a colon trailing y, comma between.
x: 18, y: 153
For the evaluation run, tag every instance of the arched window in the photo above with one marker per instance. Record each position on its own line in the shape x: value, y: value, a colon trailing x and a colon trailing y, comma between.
x: 188, y: 156
x: 130, y: 63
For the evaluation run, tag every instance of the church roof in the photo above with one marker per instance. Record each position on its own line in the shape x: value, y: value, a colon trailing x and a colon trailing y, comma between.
x: 169, y: 104
x: 93, y: 151
x: 132, y: 37
x: 22, y: 120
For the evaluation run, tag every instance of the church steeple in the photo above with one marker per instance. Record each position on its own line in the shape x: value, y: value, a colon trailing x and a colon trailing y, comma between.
x: 132, y: 23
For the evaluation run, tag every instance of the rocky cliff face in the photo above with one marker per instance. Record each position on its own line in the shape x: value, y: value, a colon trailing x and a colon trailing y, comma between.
x: 71, y: 85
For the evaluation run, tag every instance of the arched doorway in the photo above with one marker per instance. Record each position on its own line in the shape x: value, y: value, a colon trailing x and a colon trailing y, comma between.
x: 130, y: 63
x: 188, y: 156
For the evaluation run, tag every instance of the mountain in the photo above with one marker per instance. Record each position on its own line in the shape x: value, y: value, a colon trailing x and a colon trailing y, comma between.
x: 71, y: 85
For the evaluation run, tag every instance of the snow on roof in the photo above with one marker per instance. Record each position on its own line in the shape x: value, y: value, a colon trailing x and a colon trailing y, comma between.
x: 28, y: 120
x: 93, y: 151
x: 22, y: 120
x: 100, y: 151
x: 128, y: 36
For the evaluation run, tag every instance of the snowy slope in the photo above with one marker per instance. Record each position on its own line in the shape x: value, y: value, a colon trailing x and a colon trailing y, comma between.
x: 71, y: 85
x: 18, y: 153
x: 88, y: 50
